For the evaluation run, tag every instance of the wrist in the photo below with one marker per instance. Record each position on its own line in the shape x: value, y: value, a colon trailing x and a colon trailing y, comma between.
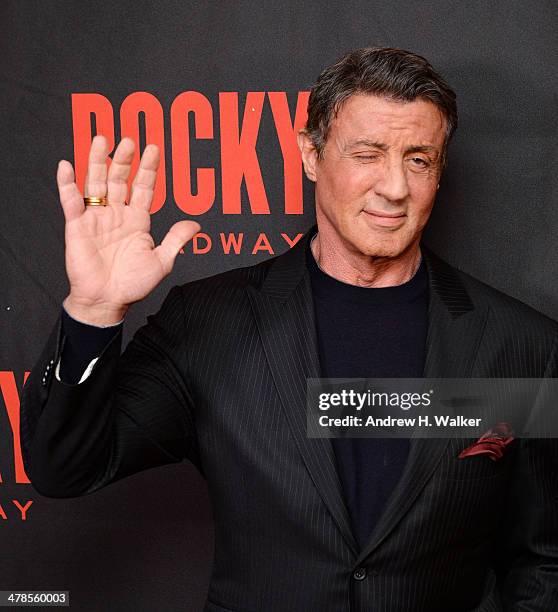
x: 102, y: 314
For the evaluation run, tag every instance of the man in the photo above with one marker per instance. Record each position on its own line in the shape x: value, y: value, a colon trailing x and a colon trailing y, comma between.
x: 218, y: 375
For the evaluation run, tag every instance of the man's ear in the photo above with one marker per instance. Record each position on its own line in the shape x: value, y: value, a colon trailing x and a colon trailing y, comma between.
x: 309, y: 154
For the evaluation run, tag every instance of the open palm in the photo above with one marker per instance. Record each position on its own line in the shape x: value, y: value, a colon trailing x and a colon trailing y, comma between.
x: 111, y: 258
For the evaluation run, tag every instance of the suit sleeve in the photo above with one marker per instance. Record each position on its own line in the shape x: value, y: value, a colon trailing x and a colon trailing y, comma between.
x: 132, y: 413
x: 530, y: 536
x: 83, y: 344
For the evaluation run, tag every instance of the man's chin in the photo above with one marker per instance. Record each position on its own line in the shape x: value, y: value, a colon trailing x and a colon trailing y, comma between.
x: 391, y: 249
x: 383, y: 253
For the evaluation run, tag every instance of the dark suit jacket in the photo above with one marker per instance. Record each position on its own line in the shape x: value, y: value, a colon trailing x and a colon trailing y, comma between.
x: 218, y: 376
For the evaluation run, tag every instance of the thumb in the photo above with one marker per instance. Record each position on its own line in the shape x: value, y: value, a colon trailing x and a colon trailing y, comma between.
x: 176, y: 238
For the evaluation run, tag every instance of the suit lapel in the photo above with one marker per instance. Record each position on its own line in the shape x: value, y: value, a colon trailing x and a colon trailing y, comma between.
x: 455, y: 329
x: 284, y: 314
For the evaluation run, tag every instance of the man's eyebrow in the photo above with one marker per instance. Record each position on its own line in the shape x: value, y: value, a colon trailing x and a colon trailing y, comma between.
x: 422, y: 149
x: 364, y: 142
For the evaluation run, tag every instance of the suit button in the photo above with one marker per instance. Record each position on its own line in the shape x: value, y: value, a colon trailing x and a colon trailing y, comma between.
x: 359, y: 573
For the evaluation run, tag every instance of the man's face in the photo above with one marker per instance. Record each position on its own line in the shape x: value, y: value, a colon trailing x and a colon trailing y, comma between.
x: 377, y: 180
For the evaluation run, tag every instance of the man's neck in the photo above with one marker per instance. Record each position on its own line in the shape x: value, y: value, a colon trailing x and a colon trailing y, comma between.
x: 365, y: 271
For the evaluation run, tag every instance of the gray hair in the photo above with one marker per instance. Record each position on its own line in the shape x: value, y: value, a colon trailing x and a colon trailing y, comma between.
x: 383, y: 71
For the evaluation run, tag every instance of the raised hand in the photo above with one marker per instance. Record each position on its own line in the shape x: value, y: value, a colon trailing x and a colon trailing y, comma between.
x: 111, y: 258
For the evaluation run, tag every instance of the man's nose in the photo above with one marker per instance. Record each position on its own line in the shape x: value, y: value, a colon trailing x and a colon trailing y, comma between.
x: 392, y: 183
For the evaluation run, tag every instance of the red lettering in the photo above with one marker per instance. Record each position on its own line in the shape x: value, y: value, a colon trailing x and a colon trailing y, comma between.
x: 199, y: 105
x: 22, y: 509
x: 238, y: 153
x: 195, y: 246
x: 287, y: 131
x: 146, y: 103
x: 290, y: 242
x: 233, y: 240
x: 83, y: 106
x: 262, y: 244
x: 11, y: 400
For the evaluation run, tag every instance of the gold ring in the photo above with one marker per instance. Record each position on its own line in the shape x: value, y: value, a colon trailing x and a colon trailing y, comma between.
x: 93, y: 201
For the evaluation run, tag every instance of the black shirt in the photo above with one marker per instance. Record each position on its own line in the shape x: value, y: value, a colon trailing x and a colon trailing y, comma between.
x: 369, y: 333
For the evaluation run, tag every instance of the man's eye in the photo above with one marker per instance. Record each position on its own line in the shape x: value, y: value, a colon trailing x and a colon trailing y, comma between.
x: 366, y: 157
x: 418, y: 161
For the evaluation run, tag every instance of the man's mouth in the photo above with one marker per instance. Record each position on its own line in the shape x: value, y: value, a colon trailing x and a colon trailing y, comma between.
x: 386, y: 219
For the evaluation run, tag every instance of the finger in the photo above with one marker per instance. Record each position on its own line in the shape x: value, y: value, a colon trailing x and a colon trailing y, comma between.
x: 144, y: 181
x: 119, y: 171
x: 96, y: 179
x: 70, y: 196
x: 176, y: 238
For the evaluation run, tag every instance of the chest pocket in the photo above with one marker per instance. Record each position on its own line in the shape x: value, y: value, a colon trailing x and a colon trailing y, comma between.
x: 474, y: 467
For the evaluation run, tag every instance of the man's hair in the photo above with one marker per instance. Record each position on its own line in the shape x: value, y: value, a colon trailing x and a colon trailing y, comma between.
x: 382, y: 71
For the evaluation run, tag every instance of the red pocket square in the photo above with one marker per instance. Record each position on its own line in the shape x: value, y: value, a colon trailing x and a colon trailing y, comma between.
x: 491, y: 443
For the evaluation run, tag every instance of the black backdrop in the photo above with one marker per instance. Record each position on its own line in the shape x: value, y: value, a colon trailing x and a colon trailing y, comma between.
x: 145, y: 543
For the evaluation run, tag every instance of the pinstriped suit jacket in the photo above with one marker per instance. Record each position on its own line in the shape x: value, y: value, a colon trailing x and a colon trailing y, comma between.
x: 218, y: 376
